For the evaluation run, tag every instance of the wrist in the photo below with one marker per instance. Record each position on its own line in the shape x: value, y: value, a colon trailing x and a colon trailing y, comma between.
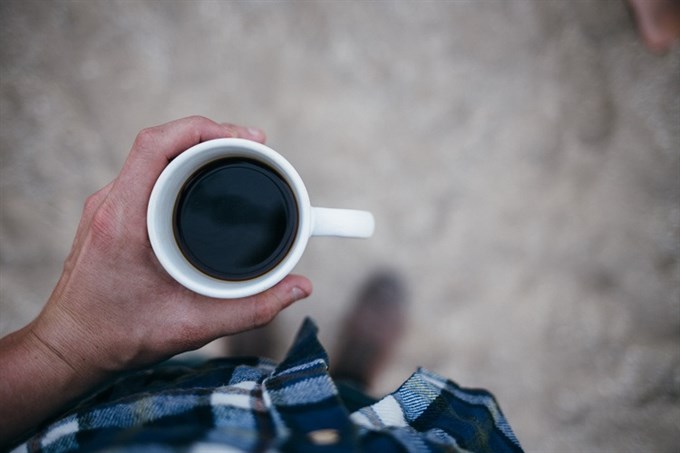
x: 60, y: 343
x: 36, y: 384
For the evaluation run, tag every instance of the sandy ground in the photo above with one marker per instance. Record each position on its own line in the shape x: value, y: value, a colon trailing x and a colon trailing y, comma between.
x: 522, y: 159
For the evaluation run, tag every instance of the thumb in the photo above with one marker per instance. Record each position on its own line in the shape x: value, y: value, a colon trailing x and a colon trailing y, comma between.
x: 231, y: 316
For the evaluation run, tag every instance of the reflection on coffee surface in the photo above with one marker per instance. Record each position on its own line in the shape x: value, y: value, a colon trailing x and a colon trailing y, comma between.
x: 235, y: 219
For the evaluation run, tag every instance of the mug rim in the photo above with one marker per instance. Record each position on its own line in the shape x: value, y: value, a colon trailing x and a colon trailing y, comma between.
x: 161, y: 208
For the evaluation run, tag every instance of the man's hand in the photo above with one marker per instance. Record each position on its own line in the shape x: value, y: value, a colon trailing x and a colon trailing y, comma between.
x: 114, y: 307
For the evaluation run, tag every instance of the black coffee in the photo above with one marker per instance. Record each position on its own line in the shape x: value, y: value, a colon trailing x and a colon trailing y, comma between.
x: 235, y: 219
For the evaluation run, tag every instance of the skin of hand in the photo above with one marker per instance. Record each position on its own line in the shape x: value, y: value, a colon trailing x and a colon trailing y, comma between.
x: 114, y: 307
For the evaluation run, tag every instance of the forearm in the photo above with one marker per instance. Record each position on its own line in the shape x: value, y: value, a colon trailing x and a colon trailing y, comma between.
x: 35, y: 384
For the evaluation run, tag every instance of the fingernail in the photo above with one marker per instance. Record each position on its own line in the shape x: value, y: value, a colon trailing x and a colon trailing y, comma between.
x: 297, y: 293
x: 255, y: 132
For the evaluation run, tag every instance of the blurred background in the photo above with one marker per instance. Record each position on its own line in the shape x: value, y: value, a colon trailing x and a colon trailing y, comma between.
x: 522, y: 159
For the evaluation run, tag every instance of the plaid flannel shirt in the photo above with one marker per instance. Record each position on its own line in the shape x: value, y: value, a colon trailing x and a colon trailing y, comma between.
x: 254, y: 405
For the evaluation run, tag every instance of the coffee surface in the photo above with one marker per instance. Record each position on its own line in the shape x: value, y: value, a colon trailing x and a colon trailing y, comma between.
x: 235, y: 219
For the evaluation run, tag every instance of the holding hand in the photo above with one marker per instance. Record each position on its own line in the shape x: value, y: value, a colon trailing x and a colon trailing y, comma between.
x: 114, y: 307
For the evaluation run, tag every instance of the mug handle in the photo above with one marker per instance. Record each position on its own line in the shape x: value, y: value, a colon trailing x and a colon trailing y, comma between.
x: 348, y: 223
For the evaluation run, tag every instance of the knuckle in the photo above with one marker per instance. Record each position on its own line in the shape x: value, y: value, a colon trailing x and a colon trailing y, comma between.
x: 91, y: 204
x: 198, y: 119
x: 93, y: 201
x: 196, y: 125
x: 104, y: 226
x: 146, y: 138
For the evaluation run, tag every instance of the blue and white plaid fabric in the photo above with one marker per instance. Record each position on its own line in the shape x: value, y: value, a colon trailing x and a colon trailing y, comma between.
x: 254, y: 405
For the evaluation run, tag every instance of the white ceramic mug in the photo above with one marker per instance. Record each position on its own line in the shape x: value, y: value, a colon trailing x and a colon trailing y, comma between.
x: 312, y: 221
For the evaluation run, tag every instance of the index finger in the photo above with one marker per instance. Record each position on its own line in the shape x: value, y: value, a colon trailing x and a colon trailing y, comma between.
x: 156, y: 146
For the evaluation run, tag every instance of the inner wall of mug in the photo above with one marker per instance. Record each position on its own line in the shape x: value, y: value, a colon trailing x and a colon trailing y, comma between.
x: 236, y: 218
x: 161, y: 217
